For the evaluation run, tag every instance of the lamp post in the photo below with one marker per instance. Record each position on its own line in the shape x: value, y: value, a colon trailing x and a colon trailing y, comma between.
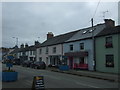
x: 16, y: 40
x: 38, y: 38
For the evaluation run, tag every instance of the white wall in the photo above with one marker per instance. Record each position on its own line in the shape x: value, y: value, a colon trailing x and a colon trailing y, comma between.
x: 50, y: 52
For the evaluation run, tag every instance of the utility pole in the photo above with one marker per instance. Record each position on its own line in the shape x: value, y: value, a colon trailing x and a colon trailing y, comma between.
x: 93, y: 42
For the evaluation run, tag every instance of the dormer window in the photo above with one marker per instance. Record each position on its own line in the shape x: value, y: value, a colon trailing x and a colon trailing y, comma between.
x: 84, y: 32
x: 90, y: 31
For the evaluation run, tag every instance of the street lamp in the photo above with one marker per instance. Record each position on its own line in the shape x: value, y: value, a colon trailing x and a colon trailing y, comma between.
x: 38, y: 38
x: 16, y: 40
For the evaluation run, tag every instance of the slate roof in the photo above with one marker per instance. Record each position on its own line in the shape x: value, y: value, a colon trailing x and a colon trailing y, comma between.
x: 86, y: 33
x: 109, y: 31
x: 58, y: 39
x: 29, y: 48
x: 14, y: 51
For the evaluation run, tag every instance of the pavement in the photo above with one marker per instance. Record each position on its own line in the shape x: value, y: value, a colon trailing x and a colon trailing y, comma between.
x: 55, y: 80
x: 92, y: 74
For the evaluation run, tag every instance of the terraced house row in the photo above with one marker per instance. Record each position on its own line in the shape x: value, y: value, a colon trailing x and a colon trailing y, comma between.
x: 92, y: 48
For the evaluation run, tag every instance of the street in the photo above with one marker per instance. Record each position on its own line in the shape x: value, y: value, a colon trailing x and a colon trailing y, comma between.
x: 55, y: 80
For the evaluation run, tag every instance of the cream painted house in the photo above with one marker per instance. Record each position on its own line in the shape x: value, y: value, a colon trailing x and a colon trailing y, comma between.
x: 51, y: 51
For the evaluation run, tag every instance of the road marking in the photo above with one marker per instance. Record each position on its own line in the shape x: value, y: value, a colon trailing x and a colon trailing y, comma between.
x: 87, y: 85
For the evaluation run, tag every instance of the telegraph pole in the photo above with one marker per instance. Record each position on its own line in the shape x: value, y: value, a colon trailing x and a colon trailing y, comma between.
x: 93, y: 41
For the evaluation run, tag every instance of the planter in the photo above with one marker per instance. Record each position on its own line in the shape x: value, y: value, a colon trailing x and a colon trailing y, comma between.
x: 9, y: 76
x: 64, y: 67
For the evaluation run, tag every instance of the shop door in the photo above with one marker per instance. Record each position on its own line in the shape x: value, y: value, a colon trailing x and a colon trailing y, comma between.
x: 71, y: 62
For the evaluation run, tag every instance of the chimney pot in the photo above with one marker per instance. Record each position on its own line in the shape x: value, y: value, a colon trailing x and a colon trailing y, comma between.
x: 50, y: 35
x: 22, y: 46
x: 37, y: 43
x: 26, y: 45
x: 109, y: 22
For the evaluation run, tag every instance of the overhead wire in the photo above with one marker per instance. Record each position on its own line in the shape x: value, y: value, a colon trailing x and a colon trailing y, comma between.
x: 96, y: 9
x: 94, y: 13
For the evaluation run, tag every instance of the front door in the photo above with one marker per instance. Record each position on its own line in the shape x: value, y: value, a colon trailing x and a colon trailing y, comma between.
x: 47, y: 61
x: 71, y: 62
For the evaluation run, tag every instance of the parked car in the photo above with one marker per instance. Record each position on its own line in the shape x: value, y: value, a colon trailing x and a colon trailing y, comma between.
x: 16, y: 62
x: 26, y: 63
x: 53, y: 66
x: 38, y: 65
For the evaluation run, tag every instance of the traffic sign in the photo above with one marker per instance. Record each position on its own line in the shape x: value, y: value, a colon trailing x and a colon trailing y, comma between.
x: 10, y: 57
x: 38, y: 83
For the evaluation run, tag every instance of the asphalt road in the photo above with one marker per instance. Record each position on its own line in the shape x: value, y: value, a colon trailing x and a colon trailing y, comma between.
x: 55, y: 80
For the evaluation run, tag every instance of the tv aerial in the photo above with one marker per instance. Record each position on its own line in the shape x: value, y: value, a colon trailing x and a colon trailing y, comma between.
x: 104, y: 12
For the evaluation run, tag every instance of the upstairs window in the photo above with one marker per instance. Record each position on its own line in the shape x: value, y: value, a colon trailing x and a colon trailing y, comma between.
x: 40, y: 51
x: 33, y: 52
x: 71, y: 47
x: 54, y: 49
x: 46, y: 50
x: 109, y: 60
x: 23, y: 53
x: 81, y: 46
x: 109, y: 42
x: 30, y: 52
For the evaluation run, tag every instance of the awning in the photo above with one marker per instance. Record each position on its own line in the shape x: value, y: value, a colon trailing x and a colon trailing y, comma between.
x: 77, y: 54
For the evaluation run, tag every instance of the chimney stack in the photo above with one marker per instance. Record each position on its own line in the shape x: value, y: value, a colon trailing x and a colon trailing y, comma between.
x: 22, y: 46
x: 26, y: 45
x: 109, y: 22
x: 50, y: 35
x: 37, y: 43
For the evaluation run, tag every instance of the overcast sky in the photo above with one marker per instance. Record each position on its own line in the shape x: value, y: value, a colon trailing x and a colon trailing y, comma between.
x: 29, y: 20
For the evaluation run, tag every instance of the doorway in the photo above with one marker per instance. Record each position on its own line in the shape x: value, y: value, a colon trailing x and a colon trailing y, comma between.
x: 71, y: 62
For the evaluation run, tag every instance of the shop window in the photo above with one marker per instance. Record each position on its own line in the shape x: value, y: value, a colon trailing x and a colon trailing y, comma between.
x: 109, y: 42
x: 109, y: 61
x: 81, y: 60
x: 64, y: 61
x: 81, y: 46
x: 71, y: 47
x: 40, y: 59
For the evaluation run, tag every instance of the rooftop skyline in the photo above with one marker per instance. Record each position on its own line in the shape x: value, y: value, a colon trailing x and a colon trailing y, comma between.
x: 31, y: 21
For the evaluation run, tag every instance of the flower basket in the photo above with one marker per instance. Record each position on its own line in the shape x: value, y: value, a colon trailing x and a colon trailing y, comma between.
x: 9, y: 75
x: 108, y: 45
x: 64, y: 67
